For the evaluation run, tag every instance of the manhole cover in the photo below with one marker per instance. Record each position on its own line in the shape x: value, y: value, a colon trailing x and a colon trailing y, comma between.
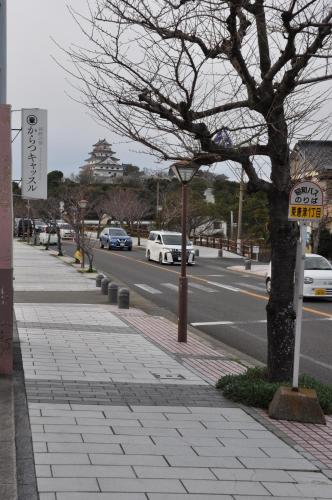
x: 168, y: 376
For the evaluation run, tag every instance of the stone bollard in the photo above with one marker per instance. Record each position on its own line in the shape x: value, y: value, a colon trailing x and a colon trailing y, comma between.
x: 113, y: 293
x: 123, y: 298
x: 220, y: 252
x: 99, y: 277
x: 247, y: 264
x: 104, y: 285
x: 196, y: 252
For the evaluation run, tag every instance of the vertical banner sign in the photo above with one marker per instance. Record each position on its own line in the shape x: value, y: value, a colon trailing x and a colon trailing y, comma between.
x: 34, y: 154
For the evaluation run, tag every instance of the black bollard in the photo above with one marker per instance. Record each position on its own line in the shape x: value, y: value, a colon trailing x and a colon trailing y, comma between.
x: 113, y: 293
x: 104, y: 285
x: 123, y: 298
x: 247, y: 264
x: 99, y: 277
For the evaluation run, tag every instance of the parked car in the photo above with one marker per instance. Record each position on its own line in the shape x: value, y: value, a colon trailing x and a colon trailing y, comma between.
x: 317, y: 277
x: 66, y: 232
x: 115, y: 237
x: 165, y: 248
x: 43, y: 238
x: 24, y: 227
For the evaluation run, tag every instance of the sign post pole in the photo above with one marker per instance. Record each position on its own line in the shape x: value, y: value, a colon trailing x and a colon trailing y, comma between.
x: 298, y: 301
x: 294, y: 403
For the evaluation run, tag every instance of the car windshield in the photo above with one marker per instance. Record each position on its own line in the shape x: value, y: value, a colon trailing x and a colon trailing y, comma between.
x: 117, y: 232
x: 319, y: 263
x: 173, y: 239
x: 65, y: 226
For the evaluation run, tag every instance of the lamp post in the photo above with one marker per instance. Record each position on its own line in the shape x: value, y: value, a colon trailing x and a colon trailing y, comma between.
x: 82, y: 204
x: 184, y: 171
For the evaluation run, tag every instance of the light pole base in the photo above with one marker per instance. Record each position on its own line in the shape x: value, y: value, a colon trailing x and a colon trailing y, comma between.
x: 183, y: 309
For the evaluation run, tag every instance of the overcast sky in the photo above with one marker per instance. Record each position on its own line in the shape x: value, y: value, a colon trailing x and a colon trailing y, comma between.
x: 35, y: 80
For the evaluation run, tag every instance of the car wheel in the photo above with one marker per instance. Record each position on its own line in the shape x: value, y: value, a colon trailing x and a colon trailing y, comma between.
x: 148, y: 256
x: 160, y: 258
x: 109, y: 246
x: 130, y: 249
x: 101, y: 244
x: 268, y: 285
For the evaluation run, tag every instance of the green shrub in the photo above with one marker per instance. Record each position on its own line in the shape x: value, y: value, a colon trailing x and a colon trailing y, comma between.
x: 253, y: 389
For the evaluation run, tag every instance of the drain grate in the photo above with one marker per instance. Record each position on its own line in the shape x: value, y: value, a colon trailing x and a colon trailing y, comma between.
x: 168, y: 376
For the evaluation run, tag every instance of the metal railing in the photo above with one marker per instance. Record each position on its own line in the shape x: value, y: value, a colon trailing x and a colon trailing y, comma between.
x: 245, y: 247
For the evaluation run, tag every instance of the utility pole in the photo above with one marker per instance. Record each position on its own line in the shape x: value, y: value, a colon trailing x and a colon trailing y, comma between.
x: 157, y: 202
x: 6, y: 210
x: 239, y: 217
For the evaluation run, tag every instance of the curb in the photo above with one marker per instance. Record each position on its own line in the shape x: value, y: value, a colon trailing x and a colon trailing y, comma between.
x: 8, y: 488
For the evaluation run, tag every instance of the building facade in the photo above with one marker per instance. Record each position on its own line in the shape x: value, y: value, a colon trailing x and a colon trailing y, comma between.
x: 312, y: 160
x: 102, y: 166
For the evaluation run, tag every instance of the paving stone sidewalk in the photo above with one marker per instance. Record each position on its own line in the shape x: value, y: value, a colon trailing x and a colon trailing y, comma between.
x: 118, y: 410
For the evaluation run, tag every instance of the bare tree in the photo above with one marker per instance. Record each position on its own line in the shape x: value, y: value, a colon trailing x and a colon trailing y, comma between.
x: 49, y: 211
x: 88, y: 244
x: 72, y: 211
x: 138, y: 208
x: 182, y: 77
x: 101, y: 206
x: 120, y: 204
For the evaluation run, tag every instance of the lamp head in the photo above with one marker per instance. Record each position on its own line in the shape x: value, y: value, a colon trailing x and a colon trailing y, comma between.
x: 185, y: 170
x: 83, y: 204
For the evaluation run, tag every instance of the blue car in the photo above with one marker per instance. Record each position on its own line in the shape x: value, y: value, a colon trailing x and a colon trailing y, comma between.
x: 115, y: 238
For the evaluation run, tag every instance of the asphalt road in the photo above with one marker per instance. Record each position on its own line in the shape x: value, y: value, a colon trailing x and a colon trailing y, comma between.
x: 227, y: 305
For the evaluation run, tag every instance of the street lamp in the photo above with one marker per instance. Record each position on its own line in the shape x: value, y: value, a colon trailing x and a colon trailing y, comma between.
x: 82, y: 204
x: 184, y: 171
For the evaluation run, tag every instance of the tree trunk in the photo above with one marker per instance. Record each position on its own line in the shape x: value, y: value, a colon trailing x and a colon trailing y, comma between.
x: 316, y: 237
x: 280, y: 308
x: 60, y: 254
x: 138, y: 234
x: 48, y: 239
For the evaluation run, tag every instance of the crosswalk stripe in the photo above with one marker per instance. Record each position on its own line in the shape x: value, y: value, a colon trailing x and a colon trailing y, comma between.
x: 227, y: 287
x: 253, y: 287
x: 147, y: 288
x: 172, y: 286
x: 202, y: 287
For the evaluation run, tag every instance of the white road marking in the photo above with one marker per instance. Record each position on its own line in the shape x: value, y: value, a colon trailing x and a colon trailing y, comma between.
x: 227, y: 287
x: 213, y: 323
x: 253, y: 287
x: 230, y: 322
x: 202, y: 287
x: 172, y: 286
x: 213, y: 275
x: 147, y: 288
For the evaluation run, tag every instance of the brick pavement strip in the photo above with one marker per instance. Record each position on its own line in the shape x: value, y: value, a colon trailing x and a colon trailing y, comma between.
x: 119, y: 411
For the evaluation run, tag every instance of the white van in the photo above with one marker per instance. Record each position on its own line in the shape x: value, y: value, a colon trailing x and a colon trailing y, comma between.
x: 66, y: 232
x: 165, y: 247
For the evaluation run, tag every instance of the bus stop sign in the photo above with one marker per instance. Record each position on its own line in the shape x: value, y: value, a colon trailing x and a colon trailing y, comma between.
x: 305, y: 202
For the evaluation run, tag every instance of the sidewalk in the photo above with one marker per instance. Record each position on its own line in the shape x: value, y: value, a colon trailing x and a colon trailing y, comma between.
x: 119, y: 410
